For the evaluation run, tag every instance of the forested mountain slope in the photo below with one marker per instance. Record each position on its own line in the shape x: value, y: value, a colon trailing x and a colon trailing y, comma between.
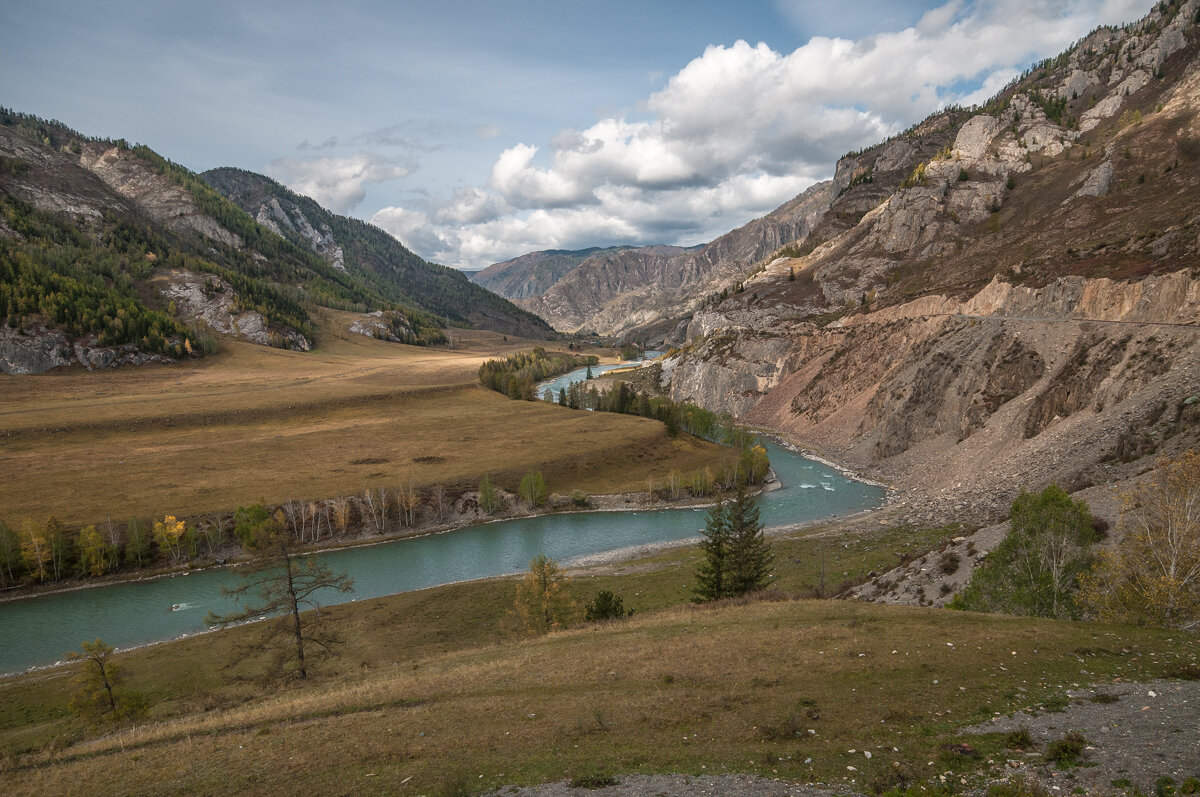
x: 110, y: 253
x: 372, y: 255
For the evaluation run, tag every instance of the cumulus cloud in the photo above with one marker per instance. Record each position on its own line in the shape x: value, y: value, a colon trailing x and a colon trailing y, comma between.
x: 338, y: 183
x: 740, y: 130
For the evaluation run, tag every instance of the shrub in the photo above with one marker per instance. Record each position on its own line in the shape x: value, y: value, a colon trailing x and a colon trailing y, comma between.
x: 1020, y: 739
x: 1067, y: 751
x: 606, y: 606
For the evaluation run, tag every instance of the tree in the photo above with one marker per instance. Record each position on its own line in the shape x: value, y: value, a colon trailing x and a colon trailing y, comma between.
x: 439, y: 500
x: 93, y: 553
x: 137, y: 543
x: 1154, y: 574
x: 284, y: 584
x: 605, y: 606
x: 712, y: 574
x: 544, y: 601
x: 533, y: 488
x: 35, y: 550
x: 255, y: 527
x: 749, y: 557
x: 1033, y: 571
x: 489, y: 501
x: 169, y: 534
x: 10, y: 555
x: 99, y: 692
x: 737, y: 556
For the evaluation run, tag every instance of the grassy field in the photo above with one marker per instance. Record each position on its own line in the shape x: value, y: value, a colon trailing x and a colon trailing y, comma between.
x: 432, y: 694
x: 255, y: 424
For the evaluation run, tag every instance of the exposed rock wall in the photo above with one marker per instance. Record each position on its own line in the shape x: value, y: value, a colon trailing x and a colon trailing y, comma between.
x: 1016, y: 393
x: 152, y: 193
x: 209, y: 299
x: 36, y: 349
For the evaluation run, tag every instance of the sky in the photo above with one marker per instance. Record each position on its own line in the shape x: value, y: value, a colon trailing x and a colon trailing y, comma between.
x: 475, y: 130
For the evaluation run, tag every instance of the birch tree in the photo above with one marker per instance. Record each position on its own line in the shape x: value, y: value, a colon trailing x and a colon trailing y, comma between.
x: 1154, y: 574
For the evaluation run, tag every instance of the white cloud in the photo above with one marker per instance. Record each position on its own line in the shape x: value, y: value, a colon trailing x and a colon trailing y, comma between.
x: 743, y: 128
x: 338, y: 183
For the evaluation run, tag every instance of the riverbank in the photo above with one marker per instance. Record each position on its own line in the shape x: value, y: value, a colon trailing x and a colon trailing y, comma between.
x: 233, y: 555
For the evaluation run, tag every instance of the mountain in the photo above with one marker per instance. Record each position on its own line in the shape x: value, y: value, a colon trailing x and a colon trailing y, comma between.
x: 634, y: 292
x: 999, y: 298
x: 532, y: 274
x: 355, y: 247
x: 110, y: 253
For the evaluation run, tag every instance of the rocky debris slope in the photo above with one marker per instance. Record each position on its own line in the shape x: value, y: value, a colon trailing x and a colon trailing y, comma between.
x: 1008, y: 389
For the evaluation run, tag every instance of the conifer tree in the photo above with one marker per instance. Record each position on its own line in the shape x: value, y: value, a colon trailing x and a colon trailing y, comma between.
x: 750, y: 557
x: 711, y: 575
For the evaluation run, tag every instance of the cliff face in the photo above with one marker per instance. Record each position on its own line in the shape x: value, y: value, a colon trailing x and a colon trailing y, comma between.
x: 997, y: 299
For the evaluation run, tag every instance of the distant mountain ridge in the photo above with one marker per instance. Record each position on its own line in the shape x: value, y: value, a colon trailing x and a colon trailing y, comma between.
x: 530, y: 275
x: 631, y: 291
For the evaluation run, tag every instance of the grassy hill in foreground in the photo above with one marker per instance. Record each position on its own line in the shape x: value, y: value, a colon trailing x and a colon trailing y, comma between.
x: 430, y: 695
x: 694, y: 690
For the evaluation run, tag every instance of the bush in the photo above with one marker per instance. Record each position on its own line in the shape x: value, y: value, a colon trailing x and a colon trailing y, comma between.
x: 1067, y: 751
x: 606, y: 606
x: 1020, y: 739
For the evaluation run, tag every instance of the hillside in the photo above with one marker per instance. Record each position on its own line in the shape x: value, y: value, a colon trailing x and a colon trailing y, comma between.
x: 361, y: 249
x: 996, y: 299
x: 113, y: 254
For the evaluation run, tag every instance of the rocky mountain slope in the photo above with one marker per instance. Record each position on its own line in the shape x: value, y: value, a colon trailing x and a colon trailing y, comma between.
x: 352, y: 246
x: 638, y: 292
x: 535, y: 273
x: 996, y: 299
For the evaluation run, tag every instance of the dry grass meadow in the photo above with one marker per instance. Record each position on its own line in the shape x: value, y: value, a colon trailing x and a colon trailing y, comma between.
x: 432, y: 694
x: 254, y: 424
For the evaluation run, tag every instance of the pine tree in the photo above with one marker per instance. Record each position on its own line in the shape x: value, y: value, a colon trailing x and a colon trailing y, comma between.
x: 749, y: 558
x: 712, y: 574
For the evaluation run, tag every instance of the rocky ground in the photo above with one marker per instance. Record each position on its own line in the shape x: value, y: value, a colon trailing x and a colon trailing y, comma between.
x: 1135, y: 734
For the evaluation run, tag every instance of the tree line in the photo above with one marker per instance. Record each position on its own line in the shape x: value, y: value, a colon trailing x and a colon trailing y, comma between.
x: 51, y: 551
x: 517, y: 375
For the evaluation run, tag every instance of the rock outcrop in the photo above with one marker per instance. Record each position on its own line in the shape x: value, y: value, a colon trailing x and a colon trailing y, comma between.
x: 35, y: 349
x: 212, y: 302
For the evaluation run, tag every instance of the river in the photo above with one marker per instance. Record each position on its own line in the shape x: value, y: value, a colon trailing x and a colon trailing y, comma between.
x: 40, y: 630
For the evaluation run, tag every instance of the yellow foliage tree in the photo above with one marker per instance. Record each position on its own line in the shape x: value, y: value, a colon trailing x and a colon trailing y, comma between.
x: 1153, y: 576
x: 168, y: 535
x: 93, y: 554
x: 544, y: 602
x: 35, y: 549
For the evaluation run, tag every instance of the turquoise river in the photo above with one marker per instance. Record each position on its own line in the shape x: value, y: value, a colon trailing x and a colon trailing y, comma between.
x: 40, y: 630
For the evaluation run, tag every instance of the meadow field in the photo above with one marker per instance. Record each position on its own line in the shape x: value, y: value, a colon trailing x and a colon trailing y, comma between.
x: 252, y: 424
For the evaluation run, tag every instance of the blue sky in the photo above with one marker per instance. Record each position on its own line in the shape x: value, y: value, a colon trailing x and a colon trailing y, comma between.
x: 477, y: 131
